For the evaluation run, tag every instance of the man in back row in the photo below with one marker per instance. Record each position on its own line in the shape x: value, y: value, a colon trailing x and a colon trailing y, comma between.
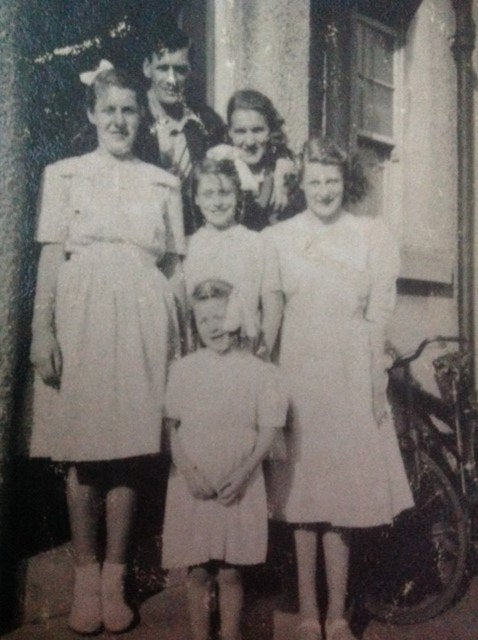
x: 178, y: 133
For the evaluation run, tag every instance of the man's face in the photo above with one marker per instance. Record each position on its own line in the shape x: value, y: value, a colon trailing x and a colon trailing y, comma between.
x: 168, y: 73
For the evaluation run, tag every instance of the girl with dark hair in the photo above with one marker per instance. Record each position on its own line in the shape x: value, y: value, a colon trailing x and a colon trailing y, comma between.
x: 104, y: 330
x: 224, y: 248
x: 255, y: 131
x: 343, y: 469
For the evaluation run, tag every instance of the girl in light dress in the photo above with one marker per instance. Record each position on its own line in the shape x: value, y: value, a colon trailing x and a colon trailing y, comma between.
x: 344, y: 467
x: 223, y: 408
x: 224, y: 249
x: 104, y: 330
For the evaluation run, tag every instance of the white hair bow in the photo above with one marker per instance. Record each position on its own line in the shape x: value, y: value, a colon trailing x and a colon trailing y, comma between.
x: 88, y: 77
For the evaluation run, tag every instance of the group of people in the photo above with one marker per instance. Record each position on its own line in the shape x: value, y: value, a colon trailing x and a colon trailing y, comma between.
x: 194, y: 283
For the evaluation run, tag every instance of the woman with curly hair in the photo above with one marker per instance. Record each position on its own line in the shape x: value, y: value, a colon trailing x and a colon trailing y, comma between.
x: 265, y: 163
x: 344, y: 468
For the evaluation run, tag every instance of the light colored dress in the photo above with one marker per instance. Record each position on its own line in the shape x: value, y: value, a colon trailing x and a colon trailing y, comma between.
x: 339, y: 281
x: 240, y: 257
x: 221, y: 401
x: 114, y: 310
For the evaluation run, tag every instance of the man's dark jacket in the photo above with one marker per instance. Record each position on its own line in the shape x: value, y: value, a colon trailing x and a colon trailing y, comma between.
x: 199, y: 138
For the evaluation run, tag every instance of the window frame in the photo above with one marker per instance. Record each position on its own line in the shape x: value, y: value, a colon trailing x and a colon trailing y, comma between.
x: 356, y: 130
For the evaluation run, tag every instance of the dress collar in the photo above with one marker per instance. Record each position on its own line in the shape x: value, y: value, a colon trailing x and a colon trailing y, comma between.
x: 232, y: 231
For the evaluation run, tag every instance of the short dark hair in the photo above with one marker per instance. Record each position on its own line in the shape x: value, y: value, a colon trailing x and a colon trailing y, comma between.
x: 323, y: 150
x: 169, y: 40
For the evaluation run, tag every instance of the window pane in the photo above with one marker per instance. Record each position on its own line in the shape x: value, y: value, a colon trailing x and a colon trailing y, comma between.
x: 375, y: 55
x: 374, y: 81
x: 382, y: 58
x: 375, y: 108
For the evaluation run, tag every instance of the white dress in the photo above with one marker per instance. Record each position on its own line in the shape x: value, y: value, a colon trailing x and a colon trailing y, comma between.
x: 239, y: 256
x: 221, y: 400
x: 338, y: 281
x: 114, y: 310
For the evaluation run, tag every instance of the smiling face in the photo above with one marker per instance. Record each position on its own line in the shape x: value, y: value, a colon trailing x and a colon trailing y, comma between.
x: 116, y: 116
x: 250, y: 133
x: 210, y: 316
x: 168, y: 73
x: 216, y: 198
x: 323, y: 186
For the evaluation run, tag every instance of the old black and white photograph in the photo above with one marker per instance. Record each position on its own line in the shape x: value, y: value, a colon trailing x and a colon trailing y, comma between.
x: 238, y: 301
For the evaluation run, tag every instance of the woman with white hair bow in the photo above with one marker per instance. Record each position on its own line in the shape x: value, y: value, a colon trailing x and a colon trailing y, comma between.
x: 104, y: 330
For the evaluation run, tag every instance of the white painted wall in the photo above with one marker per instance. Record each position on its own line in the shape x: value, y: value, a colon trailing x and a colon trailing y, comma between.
x: 263, y: 45
x: 428, y: 167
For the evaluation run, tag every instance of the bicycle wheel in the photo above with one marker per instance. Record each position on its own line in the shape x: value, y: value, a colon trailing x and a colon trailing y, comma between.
x: 417, y: 566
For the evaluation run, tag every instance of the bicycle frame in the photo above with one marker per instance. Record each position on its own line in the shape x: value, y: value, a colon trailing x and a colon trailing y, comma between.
x: 456, y: 408
x: 430, y: 543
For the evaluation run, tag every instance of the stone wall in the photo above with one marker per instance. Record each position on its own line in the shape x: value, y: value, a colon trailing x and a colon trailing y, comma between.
x: 12, y: 238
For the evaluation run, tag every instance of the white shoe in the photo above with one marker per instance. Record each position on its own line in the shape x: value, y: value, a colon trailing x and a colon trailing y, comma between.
x: 339, y: 629
x: 117, y: 615
x: 309, y: 629
x: 85, y: 615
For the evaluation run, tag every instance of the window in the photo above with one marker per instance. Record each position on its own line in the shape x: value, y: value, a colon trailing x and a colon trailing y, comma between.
x: 372, y: 131
x: 373, y: 82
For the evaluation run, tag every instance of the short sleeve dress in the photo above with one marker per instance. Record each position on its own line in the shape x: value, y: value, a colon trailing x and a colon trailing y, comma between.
x: 239, y: 256
x: 221, y: 401
x: 338, y: 281
x: 114, y: 311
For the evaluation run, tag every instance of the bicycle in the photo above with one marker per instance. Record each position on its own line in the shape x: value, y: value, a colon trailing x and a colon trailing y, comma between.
x: 418, y: 567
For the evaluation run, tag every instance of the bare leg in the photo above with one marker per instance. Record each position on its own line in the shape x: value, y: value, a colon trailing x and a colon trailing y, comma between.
x: 231, y: 596
x: 117, y: 615
x: 120, y: 503
x: 83, y: 508
x: 199, y: 600
x: 336, y: 551
x: 306, y: 552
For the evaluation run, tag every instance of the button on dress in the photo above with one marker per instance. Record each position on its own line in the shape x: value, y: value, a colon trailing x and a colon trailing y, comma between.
x: 114, y: 311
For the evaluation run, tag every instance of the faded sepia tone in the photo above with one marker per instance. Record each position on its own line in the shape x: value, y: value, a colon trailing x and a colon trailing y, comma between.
x: 284, y: 49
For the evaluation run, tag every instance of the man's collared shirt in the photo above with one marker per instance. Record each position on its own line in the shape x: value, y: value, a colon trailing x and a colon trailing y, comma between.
x: 172, y: 143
